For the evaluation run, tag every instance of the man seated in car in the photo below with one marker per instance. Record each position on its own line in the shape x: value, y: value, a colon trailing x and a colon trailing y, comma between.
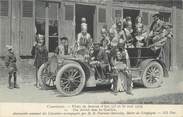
x: 100, y: 60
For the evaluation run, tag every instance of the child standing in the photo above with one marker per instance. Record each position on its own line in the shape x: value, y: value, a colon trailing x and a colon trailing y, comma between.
x: 10, y: 62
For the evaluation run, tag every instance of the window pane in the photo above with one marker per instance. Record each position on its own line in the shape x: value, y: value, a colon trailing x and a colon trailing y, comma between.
x: 52, y: 11
x: 4, y: 8
x: 27, y: 8
x: 40, y: 26
x: 69, y: 12
x: 53, y: 28
x: 102, y: 15
x: 165, y: 16
x: 40, y: 9
x: 117, y: 13
x: 145, y: 18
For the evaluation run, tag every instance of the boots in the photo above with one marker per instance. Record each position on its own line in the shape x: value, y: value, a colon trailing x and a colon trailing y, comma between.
x: 114, y: 86
x: 15, y: 80
x: 9, y: 82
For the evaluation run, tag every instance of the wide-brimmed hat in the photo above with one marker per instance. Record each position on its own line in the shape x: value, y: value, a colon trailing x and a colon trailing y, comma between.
x: 156, y: 14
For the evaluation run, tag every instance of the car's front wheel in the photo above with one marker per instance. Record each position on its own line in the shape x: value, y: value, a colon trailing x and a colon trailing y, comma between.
x: 70, y: 79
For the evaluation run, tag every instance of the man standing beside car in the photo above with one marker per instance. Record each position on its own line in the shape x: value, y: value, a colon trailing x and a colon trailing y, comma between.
x: 40, y: 53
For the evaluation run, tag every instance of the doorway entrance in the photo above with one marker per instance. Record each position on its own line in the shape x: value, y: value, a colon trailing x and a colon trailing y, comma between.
x: 87, y: 12
x: 132, y: 13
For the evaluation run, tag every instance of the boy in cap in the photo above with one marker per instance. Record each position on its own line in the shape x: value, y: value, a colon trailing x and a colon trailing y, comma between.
x: 10, y: 62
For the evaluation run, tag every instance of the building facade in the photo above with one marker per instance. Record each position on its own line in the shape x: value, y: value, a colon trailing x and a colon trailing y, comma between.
x: 20, y: 20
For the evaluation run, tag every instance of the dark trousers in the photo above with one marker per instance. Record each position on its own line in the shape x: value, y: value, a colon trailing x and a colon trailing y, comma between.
x: 128, y: 81
x: 14, y: 74
x: 37, y: 84
x: 102, y: 70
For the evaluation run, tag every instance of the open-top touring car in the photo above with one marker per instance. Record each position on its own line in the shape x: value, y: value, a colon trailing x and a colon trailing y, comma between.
x: 71, y: 74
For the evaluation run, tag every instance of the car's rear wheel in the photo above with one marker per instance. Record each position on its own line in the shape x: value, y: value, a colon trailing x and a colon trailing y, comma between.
x: 153, y: 75
x: 70, y: 79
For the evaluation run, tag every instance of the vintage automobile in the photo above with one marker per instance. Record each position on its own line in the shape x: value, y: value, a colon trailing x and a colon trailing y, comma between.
x: 71, y: 74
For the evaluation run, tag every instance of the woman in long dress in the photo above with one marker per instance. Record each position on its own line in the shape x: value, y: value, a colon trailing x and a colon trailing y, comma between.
x: 123, y: 81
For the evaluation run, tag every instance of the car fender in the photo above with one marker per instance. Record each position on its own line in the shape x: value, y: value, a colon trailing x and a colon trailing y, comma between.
x: 83, y: 65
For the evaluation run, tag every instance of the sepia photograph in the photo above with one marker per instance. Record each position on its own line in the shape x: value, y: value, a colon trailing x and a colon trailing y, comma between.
x: 91, y: 52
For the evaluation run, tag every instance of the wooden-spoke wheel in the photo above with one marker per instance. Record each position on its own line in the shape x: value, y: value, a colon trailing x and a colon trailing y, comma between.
x: 153, y: 75
x: 70, y: 80
x: 46, y: 78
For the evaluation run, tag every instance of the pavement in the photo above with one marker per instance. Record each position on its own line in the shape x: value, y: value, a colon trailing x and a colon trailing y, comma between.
x: 171, y: 92
x: 25, y: 74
